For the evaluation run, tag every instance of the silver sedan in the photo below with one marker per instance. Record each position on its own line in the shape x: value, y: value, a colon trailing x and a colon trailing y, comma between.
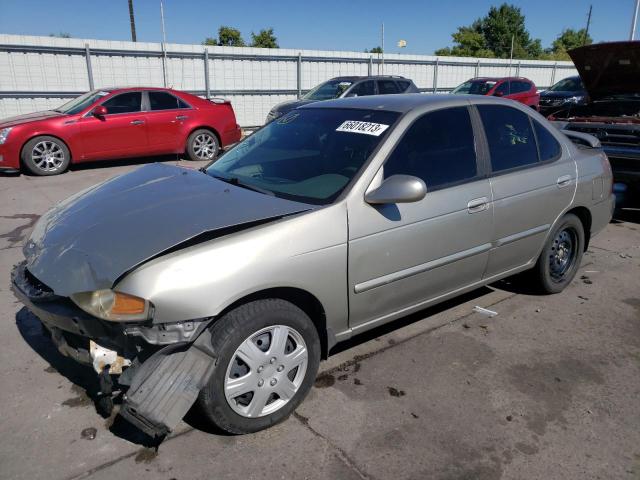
x: 226, y: 286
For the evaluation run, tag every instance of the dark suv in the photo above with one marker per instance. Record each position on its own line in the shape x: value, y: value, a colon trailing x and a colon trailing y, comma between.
x: 340, y: 87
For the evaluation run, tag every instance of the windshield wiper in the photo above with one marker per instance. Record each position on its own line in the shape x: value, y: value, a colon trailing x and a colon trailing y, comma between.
x: 236, y: 181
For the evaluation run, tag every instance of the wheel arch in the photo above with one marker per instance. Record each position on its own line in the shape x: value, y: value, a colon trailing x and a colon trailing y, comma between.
x: 202, y: 127
x: 584, y: 215
x: 40, y: 134
x: 302, y: 299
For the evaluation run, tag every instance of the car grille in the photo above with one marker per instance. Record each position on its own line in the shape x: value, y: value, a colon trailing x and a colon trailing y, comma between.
x: 612, y: 135
x: 551, y: 102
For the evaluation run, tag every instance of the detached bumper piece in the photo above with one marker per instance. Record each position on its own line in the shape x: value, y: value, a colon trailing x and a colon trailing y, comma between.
x: 166, y: 385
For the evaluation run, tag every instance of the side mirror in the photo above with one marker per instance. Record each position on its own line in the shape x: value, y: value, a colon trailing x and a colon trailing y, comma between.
x: 100, y: 111
x: 397, y: 189
x: 498, y: 94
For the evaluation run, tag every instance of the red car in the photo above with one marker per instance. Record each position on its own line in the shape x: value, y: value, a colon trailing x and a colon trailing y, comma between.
x: 519, y: 89
x: 116, y: 123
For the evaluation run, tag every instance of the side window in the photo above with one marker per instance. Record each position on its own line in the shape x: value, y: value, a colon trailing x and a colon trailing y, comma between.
x: 124, y: 103
x: 511, y: 140
x: 439, y: 148
x: 363, y: 89
x: 520, y: 87
x: 504, y: 88
x: 387, y: 86
x: 548, y: 146
x: 403, y: 84
x: 163, y: 101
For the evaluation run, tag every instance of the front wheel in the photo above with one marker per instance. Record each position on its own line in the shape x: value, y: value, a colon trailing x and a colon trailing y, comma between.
x: 560, y: 258
x: 269, y: 353
x: 203, y: 145
x: 45, y: 156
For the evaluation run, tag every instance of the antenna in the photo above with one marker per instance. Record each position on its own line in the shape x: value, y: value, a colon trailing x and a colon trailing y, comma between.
x: 586, y: 30
x: 164, y: 45
x: 635, y: 20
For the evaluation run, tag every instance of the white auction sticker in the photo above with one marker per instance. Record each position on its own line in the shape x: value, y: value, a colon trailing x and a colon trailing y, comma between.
x: 368, y: 128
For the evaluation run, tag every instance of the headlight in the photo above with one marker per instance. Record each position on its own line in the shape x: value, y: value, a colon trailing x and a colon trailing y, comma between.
x: 113, y: 306
x: 4, y: 133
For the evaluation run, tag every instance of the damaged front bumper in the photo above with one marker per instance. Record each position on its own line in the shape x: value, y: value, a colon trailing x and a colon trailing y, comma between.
x: 169, y: 364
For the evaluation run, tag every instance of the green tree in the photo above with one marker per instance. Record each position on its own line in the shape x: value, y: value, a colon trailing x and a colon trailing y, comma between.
x: 568, y: 40
x: 230, y: 37
x: 210, y: 41
x: 60, y: 35
x: 491, y: 35
x: 264, y: 39
x: 374, y: 50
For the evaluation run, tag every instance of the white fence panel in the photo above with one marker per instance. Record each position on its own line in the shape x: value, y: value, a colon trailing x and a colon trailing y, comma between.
x: 38, y: 73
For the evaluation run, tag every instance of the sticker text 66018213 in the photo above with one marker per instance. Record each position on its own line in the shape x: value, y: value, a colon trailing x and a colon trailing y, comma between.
x: 367, y: 128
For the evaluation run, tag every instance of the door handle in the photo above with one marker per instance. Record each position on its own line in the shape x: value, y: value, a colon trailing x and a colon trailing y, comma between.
x: 564, y: 181
x: 477, y: 205
x: 137, y: 122
x: 182, y: 117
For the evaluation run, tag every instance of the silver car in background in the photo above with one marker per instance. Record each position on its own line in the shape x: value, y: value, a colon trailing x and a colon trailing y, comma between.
x: 227, y: 286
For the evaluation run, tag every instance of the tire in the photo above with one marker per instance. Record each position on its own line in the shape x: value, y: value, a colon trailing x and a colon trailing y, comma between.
x: 45, y: 156
x: 251, y: 332
x: 561, y: 256
x: 203, y: 145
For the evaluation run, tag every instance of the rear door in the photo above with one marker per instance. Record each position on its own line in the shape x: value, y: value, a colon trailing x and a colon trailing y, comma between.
x: 533, y: 180
x: 121, y: 132
x: 166, y: 116
x: 403, y: 255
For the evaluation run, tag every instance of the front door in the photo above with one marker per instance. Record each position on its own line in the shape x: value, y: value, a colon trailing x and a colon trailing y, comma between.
x: 121, y: 132
x: 403, y: 255
x: 532, y: 181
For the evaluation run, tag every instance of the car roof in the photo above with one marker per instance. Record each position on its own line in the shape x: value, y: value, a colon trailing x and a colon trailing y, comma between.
x: 355, y: 78
x: 497, y: 79
x: 403, y: 102
x: 125, y: 89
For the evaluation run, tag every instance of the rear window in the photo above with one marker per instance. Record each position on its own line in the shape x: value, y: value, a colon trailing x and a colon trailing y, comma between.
x: 548, y: 146
x: 165, y: 101
x: 403, y: 84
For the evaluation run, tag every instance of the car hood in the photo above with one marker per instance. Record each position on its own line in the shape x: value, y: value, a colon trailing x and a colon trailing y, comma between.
x: 91, y: 239
x: 29, y: 117
x: 286, y: 107
x: 609, y: 68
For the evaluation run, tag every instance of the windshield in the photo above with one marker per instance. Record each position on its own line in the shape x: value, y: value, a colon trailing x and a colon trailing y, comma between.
x: 571, y: 84
x: 80, y: 103
x: 308, y: 155
x: 475, y: 87
x: 328, y: 90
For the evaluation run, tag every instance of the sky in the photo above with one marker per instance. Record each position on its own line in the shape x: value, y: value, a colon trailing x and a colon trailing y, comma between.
x: 353, y: 25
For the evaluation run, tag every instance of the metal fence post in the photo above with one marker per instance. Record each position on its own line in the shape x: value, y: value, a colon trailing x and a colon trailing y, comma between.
x: 299, y: 75
x: 435, y: 76
x: 207, y: 88
x: 370, y: 66
x: 518, y: 69
x: 87, y: 55
x: 553, y: 73
x: 477, y: 69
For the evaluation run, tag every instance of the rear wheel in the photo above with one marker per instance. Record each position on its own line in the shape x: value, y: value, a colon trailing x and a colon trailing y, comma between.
x: 269, y: 352
x: 45, y: 156
x: 560, y: 259
x: 203, y: 145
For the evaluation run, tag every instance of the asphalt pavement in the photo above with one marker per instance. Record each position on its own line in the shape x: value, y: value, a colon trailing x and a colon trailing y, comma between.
x: 548, y: 388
